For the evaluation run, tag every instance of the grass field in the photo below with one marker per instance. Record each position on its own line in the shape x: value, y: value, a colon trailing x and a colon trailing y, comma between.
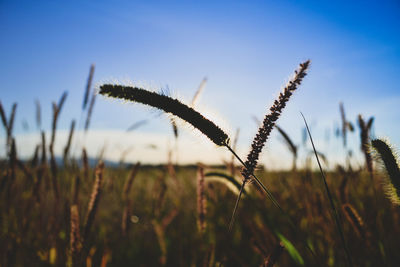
x: 71, y: 213
x: 162, y: 220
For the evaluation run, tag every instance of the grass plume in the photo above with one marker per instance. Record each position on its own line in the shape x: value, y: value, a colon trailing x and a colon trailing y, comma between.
x: 88, y: 86
x: 90, y: 111
x: 365, y: 129
x: 136, y: 125
x: 8, y: 125
x: 201, y: 200
x: 354, y: 218
x: 271, y: 118
x: 344, y: 124
x: 38, y: 116
x: 168, y: 105
x: 85, y: 164
x: 75, y: 237
x: 94, y: 200
x: 3, y: 116
x: 71, y: 133
x: 56, y: 114
x: 390, y: 160
x: 265, y: 130
x: 174, y: 128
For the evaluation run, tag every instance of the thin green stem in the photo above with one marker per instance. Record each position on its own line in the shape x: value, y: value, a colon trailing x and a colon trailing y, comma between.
x: 236, y: 206
x: 263, y: 187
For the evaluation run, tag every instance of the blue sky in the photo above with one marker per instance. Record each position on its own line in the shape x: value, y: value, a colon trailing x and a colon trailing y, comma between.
x: 247, y: 50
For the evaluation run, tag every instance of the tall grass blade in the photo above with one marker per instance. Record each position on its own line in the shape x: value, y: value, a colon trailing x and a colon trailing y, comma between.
x: 332, y: 204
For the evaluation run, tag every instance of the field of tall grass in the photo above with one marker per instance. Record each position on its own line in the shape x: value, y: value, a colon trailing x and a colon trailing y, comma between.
x: 59, y: 210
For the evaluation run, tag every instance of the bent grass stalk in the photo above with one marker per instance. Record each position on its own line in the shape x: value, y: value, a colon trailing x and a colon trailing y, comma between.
x: 226, y: 179
x: 168, y: 105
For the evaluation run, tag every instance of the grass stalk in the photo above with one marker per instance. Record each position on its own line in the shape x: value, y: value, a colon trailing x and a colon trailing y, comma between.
x: 68, y: 146
x: 168, y: 105
x: 88, y: 86
x: 331, y: 202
